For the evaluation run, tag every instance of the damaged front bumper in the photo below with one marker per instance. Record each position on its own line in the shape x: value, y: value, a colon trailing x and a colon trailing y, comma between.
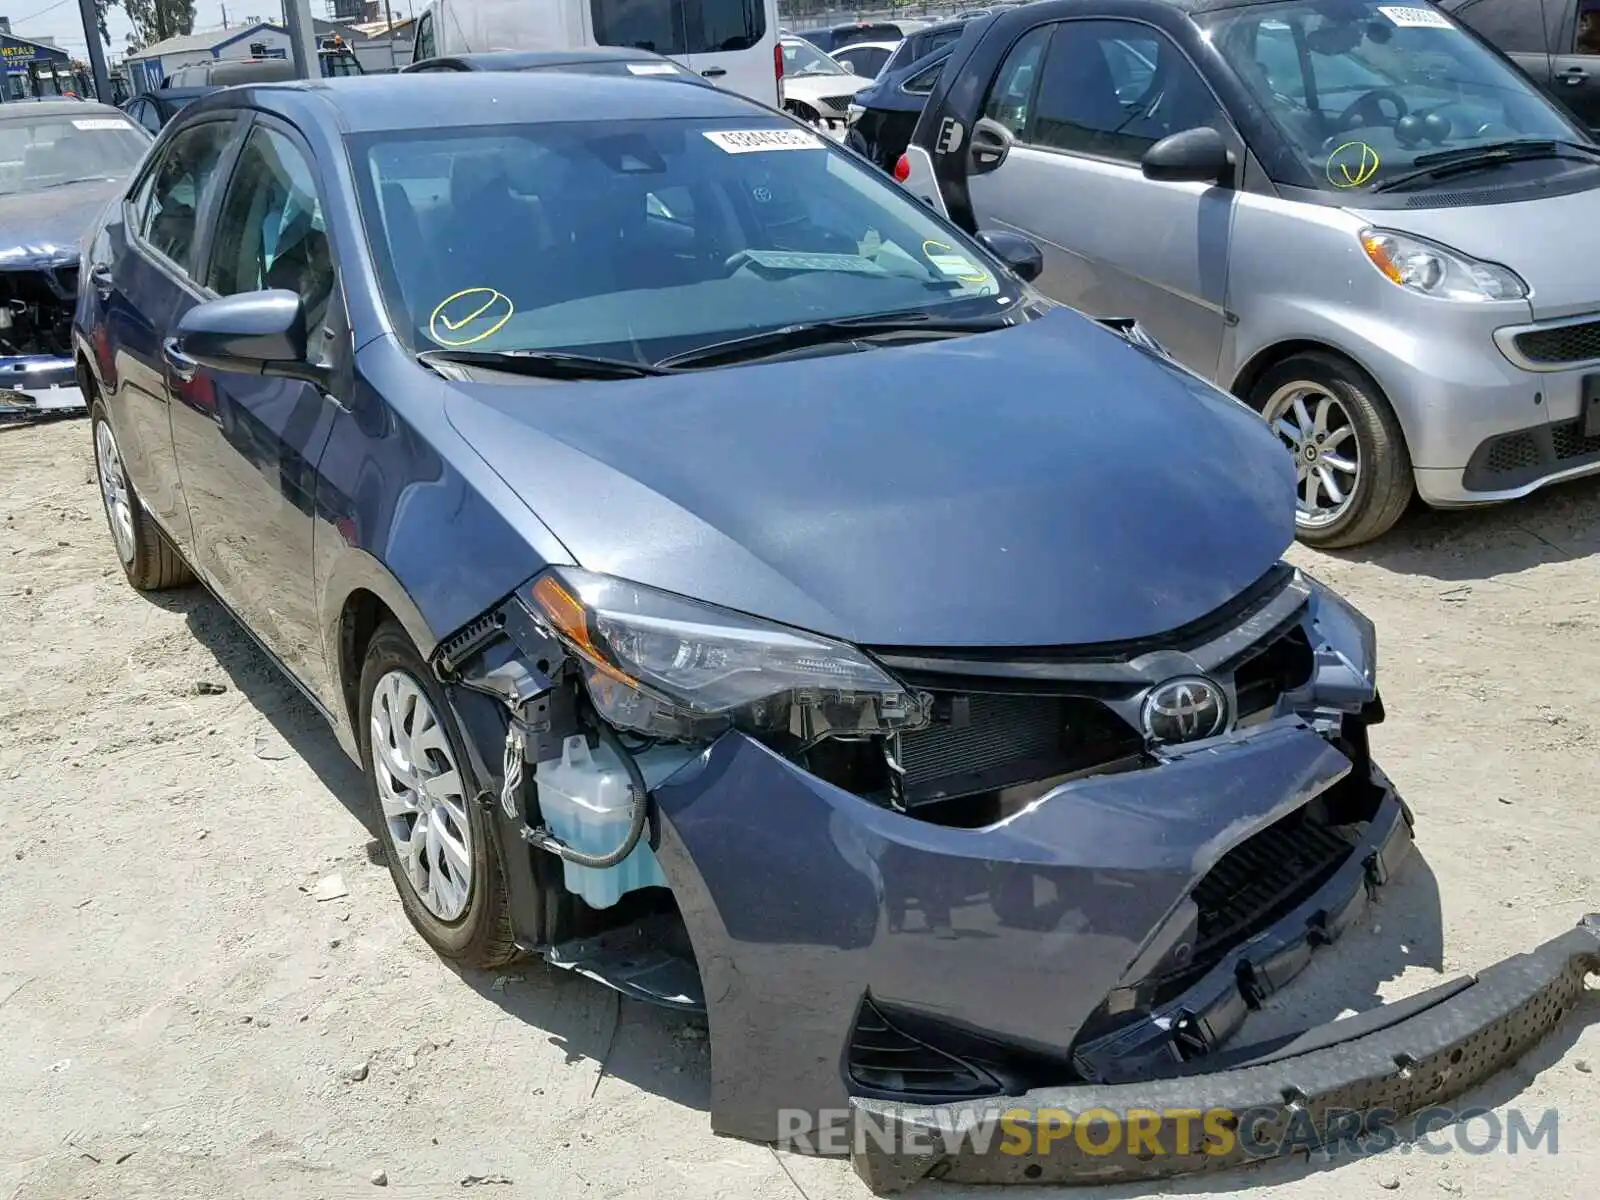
x: 1340, y: 1084
x: 38, y: 384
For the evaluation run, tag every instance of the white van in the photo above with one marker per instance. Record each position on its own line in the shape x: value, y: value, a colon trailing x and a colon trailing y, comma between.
x: 733, y: 43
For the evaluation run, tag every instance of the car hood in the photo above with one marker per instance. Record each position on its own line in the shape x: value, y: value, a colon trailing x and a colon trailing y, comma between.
x: 45, y: 228
x: 1560, y: 282
x: 815, y: 87
x: 1046, y: 484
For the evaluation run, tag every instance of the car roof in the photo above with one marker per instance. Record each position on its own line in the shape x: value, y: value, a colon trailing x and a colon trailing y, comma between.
x: 34, y: 109
x: 870, y: 46
x: 447, y: 99
x: 525, y: 60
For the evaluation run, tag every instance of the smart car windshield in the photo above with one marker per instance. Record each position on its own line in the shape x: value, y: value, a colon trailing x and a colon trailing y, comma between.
x: 1365, y: 92
x: 640, y: 240
x: 800, y: 57
x: 57, y: 150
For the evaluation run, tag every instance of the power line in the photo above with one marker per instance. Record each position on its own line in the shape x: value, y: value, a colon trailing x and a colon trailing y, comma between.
x: 41, y: 12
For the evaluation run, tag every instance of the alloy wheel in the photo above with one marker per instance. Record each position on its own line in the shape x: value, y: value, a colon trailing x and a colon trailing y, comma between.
x: 422, y: 795
x: 114, y: 490
x: 1317, y: 428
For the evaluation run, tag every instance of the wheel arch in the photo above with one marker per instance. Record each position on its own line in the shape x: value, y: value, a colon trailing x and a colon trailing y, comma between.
x: 360, y: 595
x: 1263, y: 360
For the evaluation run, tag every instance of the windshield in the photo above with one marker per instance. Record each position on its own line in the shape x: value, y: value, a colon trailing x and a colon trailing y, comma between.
x: 1361, y: 90
x: 51, y: 151
x: 800, y: 57
x: 642, y: 239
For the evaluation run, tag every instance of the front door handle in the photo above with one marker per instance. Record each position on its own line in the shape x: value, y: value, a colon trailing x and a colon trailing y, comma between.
x: 180, y: 363
x: 100, y: 278
x: 1572, y: 76
x: 714, y: 72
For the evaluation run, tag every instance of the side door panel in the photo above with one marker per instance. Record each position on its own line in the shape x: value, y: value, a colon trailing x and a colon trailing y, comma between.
x: 1115, y: 243
x: 152, y: 246
x: 248, y: 445
x: 1575, y: 66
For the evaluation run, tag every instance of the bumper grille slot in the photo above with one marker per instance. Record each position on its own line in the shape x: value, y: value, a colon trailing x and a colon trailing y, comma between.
x: 884, y: 1058
x: 1513, y: 459
x: 1260, y: 879
x: 1561, y: 344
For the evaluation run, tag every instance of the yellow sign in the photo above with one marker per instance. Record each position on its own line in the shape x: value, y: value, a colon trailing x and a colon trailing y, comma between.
x: 947, y: 261
x: 469, y: 316
x: 1352, y: 165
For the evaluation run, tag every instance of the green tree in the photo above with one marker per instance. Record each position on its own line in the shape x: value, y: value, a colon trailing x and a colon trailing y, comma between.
x: 155, y: 20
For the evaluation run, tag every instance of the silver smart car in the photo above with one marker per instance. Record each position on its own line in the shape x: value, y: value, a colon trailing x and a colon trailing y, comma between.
x: 1357, y: 216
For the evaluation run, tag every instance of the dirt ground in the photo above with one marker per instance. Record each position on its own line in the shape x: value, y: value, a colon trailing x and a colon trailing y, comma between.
x: 181, y: 1017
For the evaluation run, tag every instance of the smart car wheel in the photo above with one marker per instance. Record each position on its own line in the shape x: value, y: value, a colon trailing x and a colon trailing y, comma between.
x: 435, y: 833
x: 150, y: 562
x: 1352, y: 469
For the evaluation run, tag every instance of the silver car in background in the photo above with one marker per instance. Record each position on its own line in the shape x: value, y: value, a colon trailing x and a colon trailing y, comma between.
x: 1357, y: 216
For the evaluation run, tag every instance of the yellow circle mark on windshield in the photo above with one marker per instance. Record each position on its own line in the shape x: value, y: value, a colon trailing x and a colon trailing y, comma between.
x: 1352, y: 165
x: 469, y: 316
x: 948, y: 261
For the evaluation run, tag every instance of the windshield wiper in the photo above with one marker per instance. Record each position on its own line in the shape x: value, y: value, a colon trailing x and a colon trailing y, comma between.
x: 820, y: 333
x: 545, y: 364
x: 1472, y: 158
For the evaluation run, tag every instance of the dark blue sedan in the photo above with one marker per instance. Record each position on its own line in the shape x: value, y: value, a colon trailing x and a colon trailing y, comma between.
x: 740, y: 587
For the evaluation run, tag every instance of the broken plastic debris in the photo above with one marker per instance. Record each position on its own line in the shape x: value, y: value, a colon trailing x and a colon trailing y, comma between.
x: 271, y: 747
x: 476, y: 1180
x: 330, y: 887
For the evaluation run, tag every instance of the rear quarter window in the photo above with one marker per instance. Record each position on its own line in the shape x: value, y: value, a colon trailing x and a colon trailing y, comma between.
x: 680, y: 26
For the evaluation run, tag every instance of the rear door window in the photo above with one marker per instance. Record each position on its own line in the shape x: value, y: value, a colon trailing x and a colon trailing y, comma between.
x: 679, y: 27
x: 170, y: 219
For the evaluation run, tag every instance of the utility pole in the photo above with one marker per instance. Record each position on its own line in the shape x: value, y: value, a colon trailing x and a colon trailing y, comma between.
x: 388, y: 15
x: 302, y: 38
x: 97, y: 52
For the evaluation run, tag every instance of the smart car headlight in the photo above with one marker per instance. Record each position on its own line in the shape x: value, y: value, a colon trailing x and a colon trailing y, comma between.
x: 668, y: 666
x: 1435, y: 270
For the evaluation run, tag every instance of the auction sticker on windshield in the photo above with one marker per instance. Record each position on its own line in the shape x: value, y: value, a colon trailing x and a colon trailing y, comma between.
x: 748, y: 141
x: 652, y: 69
x: 99, y: 123
x: 1416, y: 18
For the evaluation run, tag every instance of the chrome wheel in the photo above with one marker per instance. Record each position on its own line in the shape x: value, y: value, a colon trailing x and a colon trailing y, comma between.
x: 1318, y: 431
x: 114, y: 490
x: 420, y: 790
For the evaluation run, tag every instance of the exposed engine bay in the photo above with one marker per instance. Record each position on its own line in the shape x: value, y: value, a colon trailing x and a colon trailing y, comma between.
x: 36, y: 308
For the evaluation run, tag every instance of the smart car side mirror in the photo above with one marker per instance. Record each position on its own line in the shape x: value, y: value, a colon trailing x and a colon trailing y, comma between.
x: 849, y: 67
x: 1019, y: 253
x: 1199, y: 155
x: 254, y: 333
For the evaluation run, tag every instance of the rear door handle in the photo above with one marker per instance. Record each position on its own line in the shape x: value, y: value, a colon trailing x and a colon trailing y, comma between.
x: 714, y: 72
x: 181, y: 364
x: 1572, y: 75
x: 100, y: 277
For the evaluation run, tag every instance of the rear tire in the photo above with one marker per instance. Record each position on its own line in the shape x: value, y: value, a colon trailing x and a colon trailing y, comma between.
x: 150, y: 562
x: 1354, y: 475
x: 437, y: 839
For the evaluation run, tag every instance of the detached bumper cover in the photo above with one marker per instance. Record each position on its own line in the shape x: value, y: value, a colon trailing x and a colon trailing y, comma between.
x: 1329, y: 1084
x: 36, y: 384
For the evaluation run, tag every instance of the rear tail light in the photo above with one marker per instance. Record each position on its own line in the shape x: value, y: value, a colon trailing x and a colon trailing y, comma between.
x: 902, y: 169
x: 777, y: 62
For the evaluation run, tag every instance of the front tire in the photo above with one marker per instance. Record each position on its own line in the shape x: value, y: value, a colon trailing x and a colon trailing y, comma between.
x: 150, y: 562
x: 1353, y: 471
x: 437, y: 838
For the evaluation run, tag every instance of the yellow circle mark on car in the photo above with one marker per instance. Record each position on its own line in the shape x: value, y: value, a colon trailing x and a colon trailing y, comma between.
x: 1352, y: 165
x: 948, y: 261
x: 469, y: 316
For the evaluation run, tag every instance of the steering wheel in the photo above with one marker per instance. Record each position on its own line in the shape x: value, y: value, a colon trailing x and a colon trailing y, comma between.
x: 1358, y: 111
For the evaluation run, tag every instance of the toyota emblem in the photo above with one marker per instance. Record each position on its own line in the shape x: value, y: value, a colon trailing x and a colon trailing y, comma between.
x: 1184, y: 709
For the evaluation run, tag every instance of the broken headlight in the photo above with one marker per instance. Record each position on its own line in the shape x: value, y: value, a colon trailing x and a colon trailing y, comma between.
x: 667, y: 666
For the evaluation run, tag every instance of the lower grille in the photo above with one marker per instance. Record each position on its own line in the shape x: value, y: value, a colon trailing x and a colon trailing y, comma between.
x: 884, y: 1058
x: 1262, y: 878
x: 1513, y: 459
x: 1561, y: 344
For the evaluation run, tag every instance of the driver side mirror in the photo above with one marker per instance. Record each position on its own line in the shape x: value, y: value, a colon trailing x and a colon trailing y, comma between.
x: 849, y: 67
x: 1020, y: 253
x: 1198, y: 155
x: 254, y: 333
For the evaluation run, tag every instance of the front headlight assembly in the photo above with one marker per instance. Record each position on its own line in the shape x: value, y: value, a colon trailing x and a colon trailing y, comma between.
x: 667, y: 666
x: 1435, y: 270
